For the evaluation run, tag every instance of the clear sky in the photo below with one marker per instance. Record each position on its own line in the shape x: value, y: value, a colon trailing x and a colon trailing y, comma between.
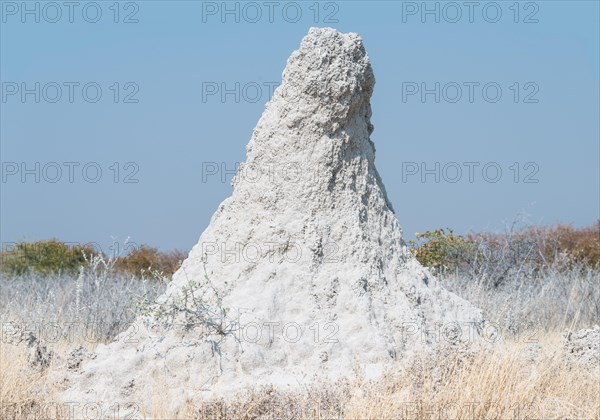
x: 517, y: 85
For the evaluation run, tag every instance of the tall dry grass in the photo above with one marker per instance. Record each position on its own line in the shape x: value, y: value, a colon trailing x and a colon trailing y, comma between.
x: 497, y: 385
x: 503, y: 384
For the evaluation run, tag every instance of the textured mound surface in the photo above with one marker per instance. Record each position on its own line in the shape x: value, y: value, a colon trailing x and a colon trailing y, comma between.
x: 582, y: 348
x: 302, y: 272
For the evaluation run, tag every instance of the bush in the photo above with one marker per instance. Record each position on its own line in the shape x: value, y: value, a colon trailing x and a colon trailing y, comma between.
x: 521, y: 253
x: 440, y: 250
x: 44, y: 257
x: 146, y: 258
x: 55, y: 257
x: 564, y: 243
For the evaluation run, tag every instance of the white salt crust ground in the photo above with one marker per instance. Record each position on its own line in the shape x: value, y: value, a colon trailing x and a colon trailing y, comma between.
x: 318, y: 249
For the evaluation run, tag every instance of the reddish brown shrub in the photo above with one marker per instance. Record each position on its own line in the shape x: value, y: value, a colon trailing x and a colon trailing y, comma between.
x: 147, y: 258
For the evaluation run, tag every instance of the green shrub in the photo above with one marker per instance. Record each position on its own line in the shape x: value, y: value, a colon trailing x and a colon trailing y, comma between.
x: 44, y: 257
x: 440, y: 249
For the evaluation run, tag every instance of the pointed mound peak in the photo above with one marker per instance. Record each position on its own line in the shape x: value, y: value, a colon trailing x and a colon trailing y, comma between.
x: 319, y: 119
x: 330, y: 68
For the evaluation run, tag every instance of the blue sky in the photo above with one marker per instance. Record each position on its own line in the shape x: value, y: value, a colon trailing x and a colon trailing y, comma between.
x: 152, y: 124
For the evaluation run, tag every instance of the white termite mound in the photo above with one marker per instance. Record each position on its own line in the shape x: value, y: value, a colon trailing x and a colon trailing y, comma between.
x: 302, y: 272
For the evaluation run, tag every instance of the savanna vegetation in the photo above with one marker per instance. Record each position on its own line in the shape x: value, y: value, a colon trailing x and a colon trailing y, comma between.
x: 533, y: 284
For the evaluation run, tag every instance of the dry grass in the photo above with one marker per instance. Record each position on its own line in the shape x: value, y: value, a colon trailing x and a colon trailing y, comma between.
x: 17, y: 388
x: 502, y: 384
x: 499, y: 384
